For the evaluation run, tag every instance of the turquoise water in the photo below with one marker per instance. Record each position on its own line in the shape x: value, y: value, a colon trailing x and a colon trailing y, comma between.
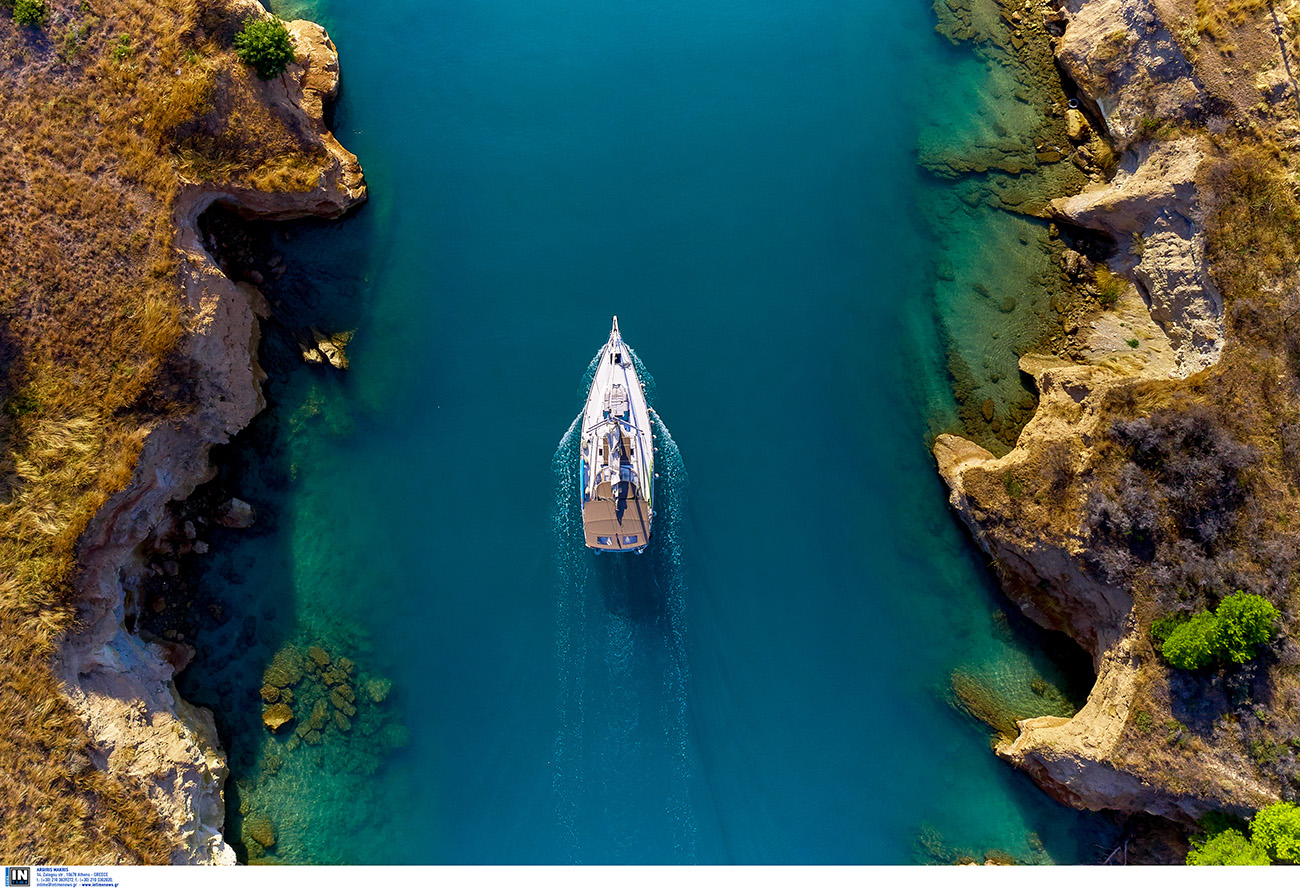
x: 771, y: 681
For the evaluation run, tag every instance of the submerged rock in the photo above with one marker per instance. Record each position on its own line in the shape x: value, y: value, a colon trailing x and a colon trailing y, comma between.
x: 331, y: 346
x: 378, y: 689
x: 236, y: 513
x: 342, y: 705
x: 395, y: 735
x: 285, y: 669
x: 320, y: 715
x: 276, y: 716
x: 260, y: 829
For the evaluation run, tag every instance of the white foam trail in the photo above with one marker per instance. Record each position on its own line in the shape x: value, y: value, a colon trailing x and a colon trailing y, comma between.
x: 629, y: 658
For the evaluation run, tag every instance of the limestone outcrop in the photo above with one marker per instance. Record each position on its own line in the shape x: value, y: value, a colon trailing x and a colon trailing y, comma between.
x: 1043, y: 562
x: 1081, y: 762
x: 1043, y: 573
x: 1129, y: 64
x: 1029, y: 509
x: 1151, y: 211
x: 121, y: 685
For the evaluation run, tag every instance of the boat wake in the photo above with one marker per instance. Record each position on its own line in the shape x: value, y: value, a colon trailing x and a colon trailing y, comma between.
x: 623, y: 762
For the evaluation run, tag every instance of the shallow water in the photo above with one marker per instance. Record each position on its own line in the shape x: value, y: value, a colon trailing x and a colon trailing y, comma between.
x: 772, y: 680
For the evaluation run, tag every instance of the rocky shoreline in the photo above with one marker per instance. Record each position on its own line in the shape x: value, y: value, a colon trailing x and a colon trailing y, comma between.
x: 1150, y: 82
x: 1146, y: 99
x: 120, y: 685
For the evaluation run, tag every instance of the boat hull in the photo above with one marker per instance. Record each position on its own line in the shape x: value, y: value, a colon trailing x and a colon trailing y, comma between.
x: 616, y: 455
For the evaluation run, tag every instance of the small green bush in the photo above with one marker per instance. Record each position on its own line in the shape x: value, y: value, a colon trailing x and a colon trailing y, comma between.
x: 1163, y: 627
x: 1192, y: 646
x: 32, y: 13
x: 264, y: 43
x: 122, y: 49
x: 1229, y: 847
x: 1244, y: 621
x: 73, y: 40
x: 1276, y: 829
x: 1232, y: 632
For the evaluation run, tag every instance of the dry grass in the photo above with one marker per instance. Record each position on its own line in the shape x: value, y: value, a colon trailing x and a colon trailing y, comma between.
x: 103, y: 115
x: 1216, y: 18
x: 1254, y: 231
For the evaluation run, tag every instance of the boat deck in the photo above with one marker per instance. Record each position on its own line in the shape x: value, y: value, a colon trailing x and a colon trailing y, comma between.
x: 615, y: 524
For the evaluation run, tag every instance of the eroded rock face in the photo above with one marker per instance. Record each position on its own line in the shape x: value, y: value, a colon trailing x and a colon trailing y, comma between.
x: 1151, y: 210
x: 1044, y: 574
x: 1133, y: 77
x: 121, y: 686
x: 1043, y: 563
x: 1125, y: 57
x: 1075, y: 759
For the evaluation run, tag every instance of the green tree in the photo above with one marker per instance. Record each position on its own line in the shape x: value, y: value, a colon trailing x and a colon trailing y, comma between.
x: 32, y: 13
x: 265, y: 44
x: 1228, y: 847
x: 1276, y: 829
x: 1244, y: 621
x: 1193, y: 645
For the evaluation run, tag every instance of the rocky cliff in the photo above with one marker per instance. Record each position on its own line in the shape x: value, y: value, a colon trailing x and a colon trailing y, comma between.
x: 1089, y: 536
x: 122, y: 686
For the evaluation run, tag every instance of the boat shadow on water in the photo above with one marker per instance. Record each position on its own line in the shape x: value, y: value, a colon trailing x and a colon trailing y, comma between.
x: 630, y: 585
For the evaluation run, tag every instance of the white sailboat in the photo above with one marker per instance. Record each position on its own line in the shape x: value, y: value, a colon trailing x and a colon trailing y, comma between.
x: 617, y: 458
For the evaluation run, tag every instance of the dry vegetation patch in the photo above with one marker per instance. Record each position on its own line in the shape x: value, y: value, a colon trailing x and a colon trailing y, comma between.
x: 104, y: 113
x: 1195, y: 494
x: 1187, y: 491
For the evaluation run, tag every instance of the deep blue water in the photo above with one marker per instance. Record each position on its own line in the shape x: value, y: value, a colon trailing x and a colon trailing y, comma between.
x: 769, y: 683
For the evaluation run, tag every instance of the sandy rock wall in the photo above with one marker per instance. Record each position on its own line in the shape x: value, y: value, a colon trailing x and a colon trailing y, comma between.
x: 1151, y: 210
x: 1044, y: 574
x: 1080, y: 760
x: 1129, y: 64
x: 121, y: 685
x: 1126, y: 59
